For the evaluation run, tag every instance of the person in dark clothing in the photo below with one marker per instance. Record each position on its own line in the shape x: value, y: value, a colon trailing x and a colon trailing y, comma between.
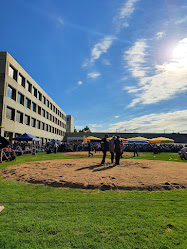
x: 117, y: 150
x: 135, y: 149
x: 90, y: 149
x: 111, y: 148
x: 105, y: 148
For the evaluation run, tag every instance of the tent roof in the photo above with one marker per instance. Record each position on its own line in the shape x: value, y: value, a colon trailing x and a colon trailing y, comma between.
x: 161, y: 139
x: 55, y: 141
x: 26, y: 137
x: 94, y: 138
x: 121, y: 138
x: 74, y: 138
x: 137, y: 139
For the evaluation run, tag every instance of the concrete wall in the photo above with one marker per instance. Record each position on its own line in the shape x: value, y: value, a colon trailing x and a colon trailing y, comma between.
x: 178, y: 138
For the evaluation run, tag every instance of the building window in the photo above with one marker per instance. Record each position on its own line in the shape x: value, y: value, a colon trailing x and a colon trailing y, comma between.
x: 47, y: 115
x: 51, y: 106
x: 28, y: 103
x: 33, y: 122
x: 49, y: 128
x: 20, y: 98
x: 47, y: 103
x: 19, y: 117
x: 10, y: 113
x: 38, y: 124
x: 33, y: 107
x: 27, y: 120
x: 43, y: 126
x: 29, y: 87
x: 44, y: 100
x: 39, y: 110
x: 21, y: 80
x: 43, y: 113
x: 35, y: 91
x: 13, y: 72
x: 46, y: 127
x: 40, y: 96
x: 11, y: 93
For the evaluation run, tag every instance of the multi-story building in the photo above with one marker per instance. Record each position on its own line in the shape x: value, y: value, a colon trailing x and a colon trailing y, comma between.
x: 25, y: 106
x: 70, y: 124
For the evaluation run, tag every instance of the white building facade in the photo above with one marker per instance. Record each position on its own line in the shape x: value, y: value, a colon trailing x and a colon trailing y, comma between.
x: 25, y: 107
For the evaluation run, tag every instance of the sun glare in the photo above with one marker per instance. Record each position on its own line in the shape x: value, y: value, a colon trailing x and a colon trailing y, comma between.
x: 179, y: 58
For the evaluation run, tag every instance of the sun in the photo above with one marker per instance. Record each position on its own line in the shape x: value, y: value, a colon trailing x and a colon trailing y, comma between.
x: 179, y: 57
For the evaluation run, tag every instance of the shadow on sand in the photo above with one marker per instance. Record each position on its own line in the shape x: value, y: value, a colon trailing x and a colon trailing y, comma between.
x: 100, y: 166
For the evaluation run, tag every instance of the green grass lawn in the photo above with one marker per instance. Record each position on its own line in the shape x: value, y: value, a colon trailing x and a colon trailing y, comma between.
x: 27, y: 222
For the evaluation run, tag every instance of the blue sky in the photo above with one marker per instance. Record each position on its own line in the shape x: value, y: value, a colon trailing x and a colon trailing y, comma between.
x: 113, y: 65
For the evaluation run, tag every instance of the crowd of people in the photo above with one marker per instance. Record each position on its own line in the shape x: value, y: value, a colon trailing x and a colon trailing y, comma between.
x: 115, y: 146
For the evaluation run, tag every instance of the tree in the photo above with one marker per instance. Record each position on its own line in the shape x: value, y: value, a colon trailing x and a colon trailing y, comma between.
x: 85, y: 129
x: 75, y: 130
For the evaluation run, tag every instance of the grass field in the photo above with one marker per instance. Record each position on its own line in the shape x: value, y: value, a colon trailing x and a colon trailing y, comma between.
x: 37, y: 216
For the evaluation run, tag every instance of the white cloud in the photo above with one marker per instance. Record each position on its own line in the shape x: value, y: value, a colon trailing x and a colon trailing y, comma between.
x: 135, y: 58
x: 101, y: 47
x: 182, y: 20
x: 93, y: 75
x: 170, y: 78
x: 79, y: 83
x: 95, y: 125
x: 171, y: 121
x: 124, y: 78
x: 85, y: 63
x: 60, y: 20
x: 126, y: 10
x: 159, y: 35
x: 116, y: 116
x: 106, y: 62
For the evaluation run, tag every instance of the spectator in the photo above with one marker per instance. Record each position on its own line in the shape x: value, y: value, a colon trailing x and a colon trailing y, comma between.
x: 135, y: 149
x: 183, y: 153
x: 89, y: 149
x: 105, y: 148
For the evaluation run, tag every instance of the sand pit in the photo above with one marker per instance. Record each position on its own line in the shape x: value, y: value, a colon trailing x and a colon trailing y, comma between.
x: 86, y: 173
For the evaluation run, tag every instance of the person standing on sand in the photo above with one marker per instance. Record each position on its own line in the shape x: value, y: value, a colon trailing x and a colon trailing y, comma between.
x: 135, y: 149
x: 121, y: 147
x: 117, y: 150
x: 89, y: 149
x: 105, y: 147
x: 111, y: 148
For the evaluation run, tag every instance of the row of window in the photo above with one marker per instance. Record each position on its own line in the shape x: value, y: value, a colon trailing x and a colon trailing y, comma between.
x: 11, y: 93
x: 27, y: 120
x: 13, y: 73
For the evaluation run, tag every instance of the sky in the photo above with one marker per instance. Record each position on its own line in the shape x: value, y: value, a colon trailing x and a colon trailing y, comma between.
x: 114, y: 65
